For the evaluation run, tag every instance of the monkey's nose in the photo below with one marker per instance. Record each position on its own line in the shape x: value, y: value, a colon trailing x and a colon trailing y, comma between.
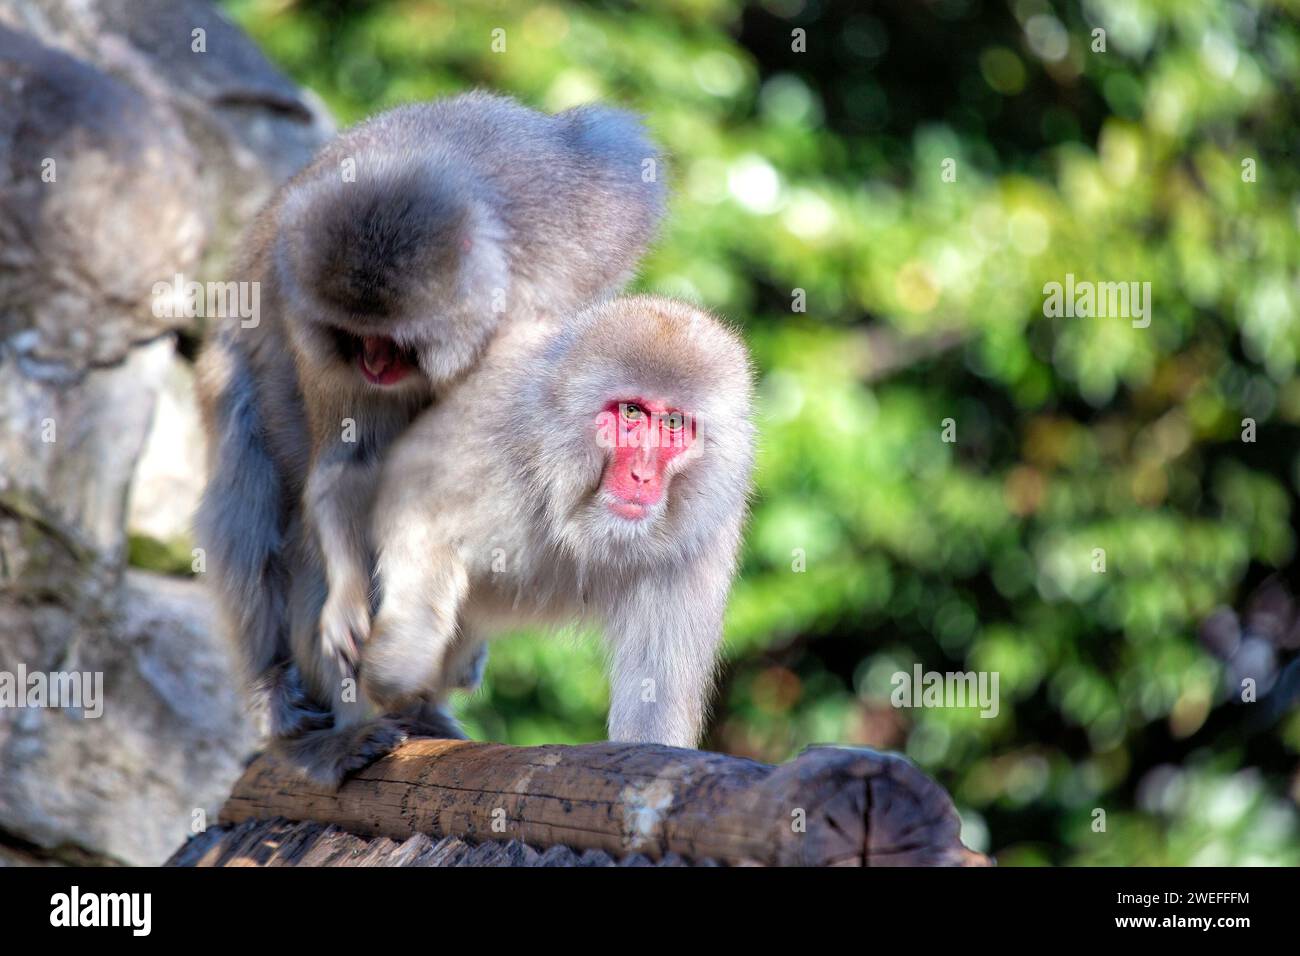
x: 644, y: 470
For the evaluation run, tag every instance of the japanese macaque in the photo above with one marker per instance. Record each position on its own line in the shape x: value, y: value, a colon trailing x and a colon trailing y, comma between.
x: 596, y: 472
x: 384, y: 269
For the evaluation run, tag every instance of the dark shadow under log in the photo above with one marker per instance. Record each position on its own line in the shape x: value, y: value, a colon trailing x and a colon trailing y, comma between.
x: 830, y: 807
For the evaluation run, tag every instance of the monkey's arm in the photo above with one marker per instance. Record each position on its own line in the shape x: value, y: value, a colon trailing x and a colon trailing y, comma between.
x: 423, y: 584
x: 665, y: 635
x: 337, y: 500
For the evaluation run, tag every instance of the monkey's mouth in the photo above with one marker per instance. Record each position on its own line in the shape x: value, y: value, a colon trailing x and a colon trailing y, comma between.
x: 381, y: 360
x: 630, y: 510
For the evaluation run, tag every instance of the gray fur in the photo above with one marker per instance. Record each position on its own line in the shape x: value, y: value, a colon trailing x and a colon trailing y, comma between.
x: 242, y: 523
x: 514, y: 530
x: 464, y: 214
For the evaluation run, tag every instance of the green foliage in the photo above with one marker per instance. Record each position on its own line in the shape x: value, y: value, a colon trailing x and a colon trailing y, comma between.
x: 823, y: 172
x: 167, y: 557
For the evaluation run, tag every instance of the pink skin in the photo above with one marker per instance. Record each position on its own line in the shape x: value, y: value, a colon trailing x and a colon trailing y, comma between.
x: 381, y: 362
x: 635, y: 475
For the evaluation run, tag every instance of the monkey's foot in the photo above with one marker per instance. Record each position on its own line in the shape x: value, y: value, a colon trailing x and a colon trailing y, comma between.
x: 327, y: 756
x: 432, y: 720
x: 291, y: 711
x: 344, y: 627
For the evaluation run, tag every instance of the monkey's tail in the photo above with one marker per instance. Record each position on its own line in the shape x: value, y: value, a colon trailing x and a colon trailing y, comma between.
x: 240, y: 524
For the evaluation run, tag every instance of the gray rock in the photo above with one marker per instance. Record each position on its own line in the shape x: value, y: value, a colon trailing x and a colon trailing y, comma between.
x: 128, y: 158
x: 171, y: 739
x: 69, y: 447
x: 98, y: 206
x: 169, y: 474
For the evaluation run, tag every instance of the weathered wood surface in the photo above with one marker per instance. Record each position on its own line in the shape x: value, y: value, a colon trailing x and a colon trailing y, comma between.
x: 279, y: 842
x: 830, y: 807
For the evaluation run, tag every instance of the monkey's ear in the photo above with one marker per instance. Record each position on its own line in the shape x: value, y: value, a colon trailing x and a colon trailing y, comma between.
x: 482, y: 266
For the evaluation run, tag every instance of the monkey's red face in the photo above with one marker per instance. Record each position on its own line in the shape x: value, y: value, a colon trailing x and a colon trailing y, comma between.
x: 643, y: 438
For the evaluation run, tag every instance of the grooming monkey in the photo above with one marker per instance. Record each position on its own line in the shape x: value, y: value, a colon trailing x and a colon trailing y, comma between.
x: 385, y: 268
x: 594, y: 471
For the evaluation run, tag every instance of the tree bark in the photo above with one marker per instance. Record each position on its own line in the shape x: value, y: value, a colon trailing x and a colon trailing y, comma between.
x: 830, y: 807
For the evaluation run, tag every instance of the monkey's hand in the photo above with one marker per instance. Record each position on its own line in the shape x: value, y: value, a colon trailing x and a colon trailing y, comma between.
x: 415, y: 629
x: 345, y: 627
x: 397, y: 667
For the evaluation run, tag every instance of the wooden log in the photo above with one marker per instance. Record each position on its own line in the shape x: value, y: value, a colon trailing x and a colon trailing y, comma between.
x: 830, y: 807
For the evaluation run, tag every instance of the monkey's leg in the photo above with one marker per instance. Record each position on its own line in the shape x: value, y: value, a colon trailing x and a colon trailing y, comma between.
x: 432, y: 718
x: 320, y: 720
x: 423, y: 586
x: 467, y: 673
x: 339, y: 494
x: 291, y: 710
x: 664, y: 640
x: 463, y: 670
x: 239, y: 521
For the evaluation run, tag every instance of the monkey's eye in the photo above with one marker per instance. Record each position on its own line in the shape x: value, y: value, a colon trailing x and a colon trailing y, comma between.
x: 674, y: 421
x: 632, y: 413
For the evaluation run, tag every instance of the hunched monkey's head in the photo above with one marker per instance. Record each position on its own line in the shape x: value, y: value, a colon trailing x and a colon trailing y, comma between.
x: 645, y: 442
x: 412, y: 236
x: 398, y: 275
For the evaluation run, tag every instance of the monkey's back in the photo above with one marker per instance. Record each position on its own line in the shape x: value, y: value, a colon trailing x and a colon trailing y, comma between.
x: 572, y: 189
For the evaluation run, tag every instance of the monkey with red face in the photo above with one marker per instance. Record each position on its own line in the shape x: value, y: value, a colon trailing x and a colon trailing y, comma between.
x: 596, y: 472
x: 385, y: 268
